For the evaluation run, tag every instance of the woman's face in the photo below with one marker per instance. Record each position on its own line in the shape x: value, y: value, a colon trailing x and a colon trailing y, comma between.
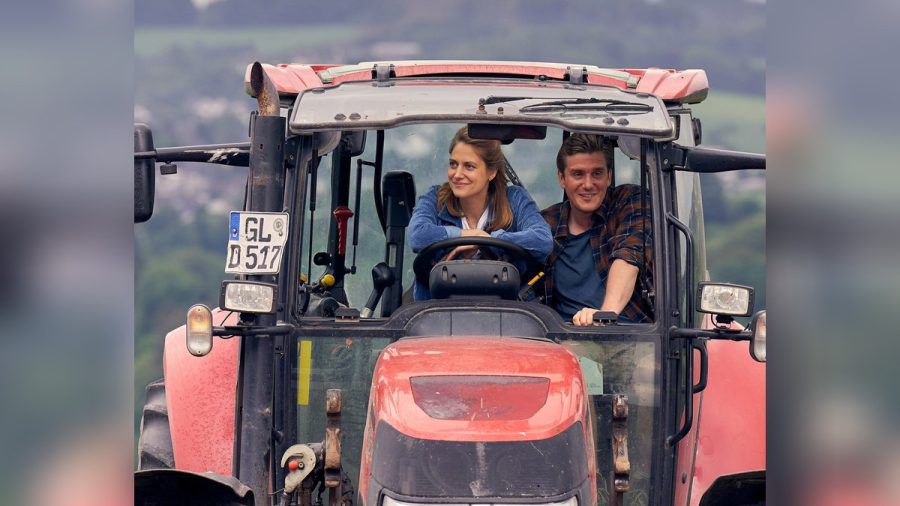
x: 467, y: 173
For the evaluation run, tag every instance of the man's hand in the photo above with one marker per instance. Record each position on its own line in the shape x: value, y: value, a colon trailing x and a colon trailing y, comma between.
x: 466, y: 251
x: 584, y: 317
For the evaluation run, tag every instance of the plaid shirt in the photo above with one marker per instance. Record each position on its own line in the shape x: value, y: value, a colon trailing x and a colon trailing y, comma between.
x: 619, y: 230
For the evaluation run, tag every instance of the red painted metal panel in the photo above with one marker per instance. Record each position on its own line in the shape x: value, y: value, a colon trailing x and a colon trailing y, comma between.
x: 606, y: 81
x: 393, y: 400
x: 729, y: 422
x: 359, y: 75
x: 200, y: 394
x: 687, y: 448
x: 669, y: 84
x: 425, y: 67
x: 552, y: 71
x: 479, y: 397
x: 289, y: 78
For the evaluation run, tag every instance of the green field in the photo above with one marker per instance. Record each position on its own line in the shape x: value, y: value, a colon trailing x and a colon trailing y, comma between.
x: 265, y: 40
x: 733, y: 120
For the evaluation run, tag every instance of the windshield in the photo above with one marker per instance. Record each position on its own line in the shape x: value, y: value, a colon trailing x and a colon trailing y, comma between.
x: 612, y: 362
x: 422, y: 150
x: 615, y: 367
x: 610, y: 366
x: 360, y: 105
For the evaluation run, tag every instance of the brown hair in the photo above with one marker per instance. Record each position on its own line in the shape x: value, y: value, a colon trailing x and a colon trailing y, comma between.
x: 490, y: 152
x: 585, y: 144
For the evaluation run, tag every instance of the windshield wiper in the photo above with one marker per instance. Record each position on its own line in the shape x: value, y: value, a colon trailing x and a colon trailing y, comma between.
x: 583, y: 103
x: 589, y: 104
x: 500, y: 100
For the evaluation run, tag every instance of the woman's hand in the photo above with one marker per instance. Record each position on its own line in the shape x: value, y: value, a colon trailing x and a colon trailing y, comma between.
x: 466, y: 251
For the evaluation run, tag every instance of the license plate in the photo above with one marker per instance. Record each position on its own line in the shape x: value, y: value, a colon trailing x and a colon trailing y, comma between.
x: 256, y: 242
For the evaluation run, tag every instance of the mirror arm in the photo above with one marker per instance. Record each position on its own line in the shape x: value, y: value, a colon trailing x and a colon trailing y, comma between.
x: 237, y: 154
x: 672, y: 156
x: 244, y: 331
x: 704, y: 160
x: 728, y: 335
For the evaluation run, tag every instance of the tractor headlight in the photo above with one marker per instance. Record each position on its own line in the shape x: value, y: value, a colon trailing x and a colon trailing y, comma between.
x: 724, y: 299
x: 388, y: 501
x: 247, y: 296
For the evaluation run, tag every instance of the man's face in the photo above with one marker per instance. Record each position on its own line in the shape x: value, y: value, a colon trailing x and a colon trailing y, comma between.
x: 585, y: 180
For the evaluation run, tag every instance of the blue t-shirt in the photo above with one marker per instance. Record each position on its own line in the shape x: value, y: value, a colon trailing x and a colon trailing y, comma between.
x: 577, y: 284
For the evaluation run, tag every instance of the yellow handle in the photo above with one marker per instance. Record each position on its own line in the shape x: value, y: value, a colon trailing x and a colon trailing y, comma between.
x: 536, y: 278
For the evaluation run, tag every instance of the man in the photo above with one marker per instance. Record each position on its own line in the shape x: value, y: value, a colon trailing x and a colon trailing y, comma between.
x: 601, y: 262
x: 601, y: 236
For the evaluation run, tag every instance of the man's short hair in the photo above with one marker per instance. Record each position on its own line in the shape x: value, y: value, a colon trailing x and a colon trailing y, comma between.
x: 585, y: 144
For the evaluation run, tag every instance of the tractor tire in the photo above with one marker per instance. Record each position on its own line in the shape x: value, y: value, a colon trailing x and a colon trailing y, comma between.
x: 155, y: 441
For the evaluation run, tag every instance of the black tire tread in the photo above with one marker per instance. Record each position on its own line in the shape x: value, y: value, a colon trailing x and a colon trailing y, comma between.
x: 155, y: 441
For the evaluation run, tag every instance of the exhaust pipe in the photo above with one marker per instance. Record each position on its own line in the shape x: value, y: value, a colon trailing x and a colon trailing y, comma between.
x: 264, y: 90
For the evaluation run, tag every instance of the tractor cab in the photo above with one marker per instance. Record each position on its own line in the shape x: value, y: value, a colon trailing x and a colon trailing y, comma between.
x: 319, y: 373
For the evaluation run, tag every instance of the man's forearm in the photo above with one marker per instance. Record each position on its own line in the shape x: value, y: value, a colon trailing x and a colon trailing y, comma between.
x: 619, y: 285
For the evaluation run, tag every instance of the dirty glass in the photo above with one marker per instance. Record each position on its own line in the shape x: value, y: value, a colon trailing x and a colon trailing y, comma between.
x: 610, y: 367
x: 630, y: 368
x: 367, y: 105
x: 422, y: 150
x: 689, y: 209
x: 323, y: 363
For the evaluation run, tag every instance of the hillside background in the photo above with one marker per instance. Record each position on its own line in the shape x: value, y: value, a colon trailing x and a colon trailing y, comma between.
x: 189, y: 64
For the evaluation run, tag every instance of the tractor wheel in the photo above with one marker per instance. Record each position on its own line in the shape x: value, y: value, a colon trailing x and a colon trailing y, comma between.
x: 155, y: 442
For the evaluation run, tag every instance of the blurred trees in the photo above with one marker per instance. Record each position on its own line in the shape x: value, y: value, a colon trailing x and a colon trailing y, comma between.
x: 178, y: 263
x: 189, y: 89
x: 164, y: 12
x: 735, y: 235
x: 725, y: 38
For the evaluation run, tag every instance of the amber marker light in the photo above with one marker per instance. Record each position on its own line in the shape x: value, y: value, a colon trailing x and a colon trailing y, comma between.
x: 199, y: 330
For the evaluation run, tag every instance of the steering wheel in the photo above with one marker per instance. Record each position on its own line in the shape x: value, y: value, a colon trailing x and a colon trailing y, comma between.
x: 425, y: 260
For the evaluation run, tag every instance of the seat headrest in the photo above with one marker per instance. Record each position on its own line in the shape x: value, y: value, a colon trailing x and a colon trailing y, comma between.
x: 474, y: 278
x: 399, y: 194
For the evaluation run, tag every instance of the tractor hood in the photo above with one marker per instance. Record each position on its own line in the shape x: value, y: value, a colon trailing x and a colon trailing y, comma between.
x: 477, y: 389
x: 475, y: 419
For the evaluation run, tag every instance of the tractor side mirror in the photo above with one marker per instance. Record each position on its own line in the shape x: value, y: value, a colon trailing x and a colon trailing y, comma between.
x: 758, y: 336
x: 355, y: 142
x: 144, y: 173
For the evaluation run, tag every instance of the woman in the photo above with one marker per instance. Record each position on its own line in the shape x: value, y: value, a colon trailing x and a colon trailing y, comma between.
x: 476, y: 202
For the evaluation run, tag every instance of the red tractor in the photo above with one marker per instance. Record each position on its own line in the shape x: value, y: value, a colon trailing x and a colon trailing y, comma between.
x: 315, y: 381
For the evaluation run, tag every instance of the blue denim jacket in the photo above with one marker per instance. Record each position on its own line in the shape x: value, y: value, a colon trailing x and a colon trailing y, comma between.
x: 528, y: 230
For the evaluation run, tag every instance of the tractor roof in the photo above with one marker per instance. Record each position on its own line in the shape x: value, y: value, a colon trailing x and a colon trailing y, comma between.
x: 685, y: 86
